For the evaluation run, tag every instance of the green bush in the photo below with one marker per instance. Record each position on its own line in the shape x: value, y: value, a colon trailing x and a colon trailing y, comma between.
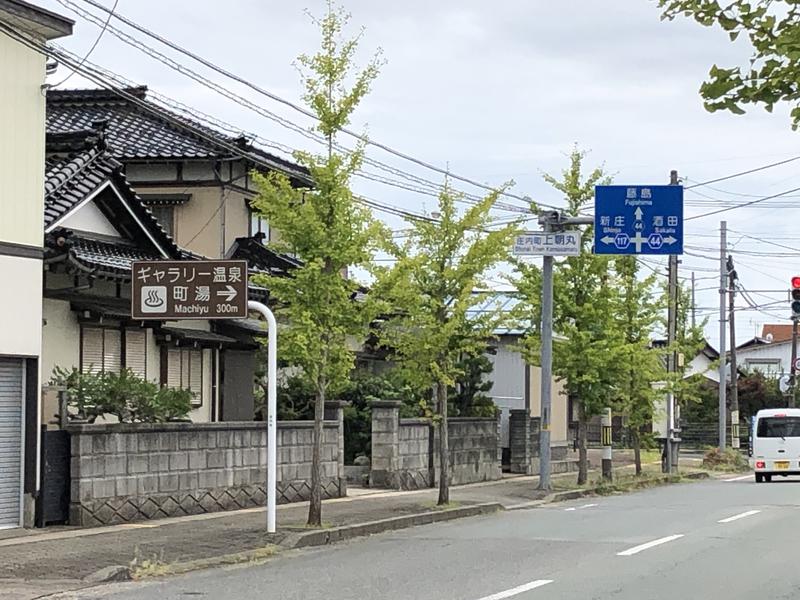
x: 125, y: 395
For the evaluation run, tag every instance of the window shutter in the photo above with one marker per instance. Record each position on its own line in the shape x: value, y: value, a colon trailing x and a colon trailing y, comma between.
x: 92, y: 350
x: 196, y: 375
x: 136, y: 351
x: 112, y: 350
x: 174, y: 368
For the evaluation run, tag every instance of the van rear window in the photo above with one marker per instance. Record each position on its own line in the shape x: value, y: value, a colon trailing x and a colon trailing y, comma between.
x: 773, y: 427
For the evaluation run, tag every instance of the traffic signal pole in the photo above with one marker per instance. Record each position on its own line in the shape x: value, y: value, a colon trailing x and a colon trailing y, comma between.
x: 793, y: 368
x: 734, y: 369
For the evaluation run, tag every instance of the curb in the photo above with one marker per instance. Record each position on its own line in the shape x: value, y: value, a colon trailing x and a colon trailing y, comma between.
x: 339, y: 534
x: 663, y: 480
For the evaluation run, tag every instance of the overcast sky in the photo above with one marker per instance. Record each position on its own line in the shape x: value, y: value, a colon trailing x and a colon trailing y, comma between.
x: 503, y: 90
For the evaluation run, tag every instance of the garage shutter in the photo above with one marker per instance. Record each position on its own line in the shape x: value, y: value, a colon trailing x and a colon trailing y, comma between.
x: 10, y: 441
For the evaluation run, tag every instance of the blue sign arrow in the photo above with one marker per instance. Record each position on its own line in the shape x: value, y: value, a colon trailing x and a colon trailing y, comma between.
x: 638, y: 219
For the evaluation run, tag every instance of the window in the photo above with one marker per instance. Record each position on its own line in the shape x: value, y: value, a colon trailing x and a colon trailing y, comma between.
x: 102, y: 350
x: 258, y: 224
x: 774, y: 427
x: 770, y: 367
x: 185, y: 371
x: 165, y: 215
x: 136, y: 351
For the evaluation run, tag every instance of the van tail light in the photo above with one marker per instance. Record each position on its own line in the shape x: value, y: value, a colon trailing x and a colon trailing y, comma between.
x: 760, y: 464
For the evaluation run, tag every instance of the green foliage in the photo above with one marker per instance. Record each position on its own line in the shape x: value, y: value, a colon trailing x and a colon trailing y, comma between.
x: 124, y: 395
x: 431, y: 291
x: 469, y: 397
x: 587, y: 358
x: 772, y: 74
x: 325, y: 227
x: 637, y: 313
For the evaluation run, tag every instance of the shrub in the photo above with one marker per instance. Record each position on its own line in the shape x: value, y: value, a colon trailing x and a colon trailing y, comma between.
x: 125, y: 395
x: 727, y: 460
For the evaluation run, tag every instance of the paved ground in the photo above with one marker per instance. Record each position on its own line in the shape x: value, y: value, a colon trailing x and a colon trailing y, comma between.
x: 716, y: 539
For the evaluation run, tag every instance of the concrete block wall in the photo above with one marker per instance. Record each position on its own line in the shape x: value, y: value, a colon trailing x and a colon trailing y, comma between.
x: 405, y: 451
x: 475, y: 450
x: 129, y: 472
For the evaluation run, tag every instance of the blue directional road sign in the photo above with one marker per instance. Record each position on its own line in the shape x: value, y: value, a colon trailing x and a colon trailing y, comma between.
x: 638, y: 219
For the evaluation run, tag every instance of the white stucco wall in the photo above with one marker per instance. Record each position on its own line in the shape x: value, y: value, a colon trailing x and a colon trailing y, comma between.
x: 20, y: 306
x: 89, y: 218
x: 748, y: 358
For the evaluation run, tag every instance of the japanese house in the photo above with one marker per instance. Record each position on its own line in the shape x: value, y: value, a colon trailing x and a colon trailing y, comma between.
x: 197, y: 185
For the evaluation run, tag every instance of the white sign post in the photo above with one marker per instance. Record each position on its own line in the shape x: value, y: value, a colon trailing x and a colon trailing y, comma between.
x: 272, y: 408
x: 544, y: 243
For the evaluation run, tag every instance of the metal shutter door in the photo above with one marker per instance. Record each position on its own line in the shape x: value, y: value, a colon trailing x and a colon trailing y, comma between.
x: 173, y: 368
x: 92, y: 350
x: 196, y: 376
x: 10, y: 441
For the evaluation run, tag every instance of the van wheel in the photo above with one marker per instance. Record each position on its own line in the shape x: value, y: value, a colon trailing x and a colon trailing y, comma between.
x: 759, y: 478
x: 768, y: 478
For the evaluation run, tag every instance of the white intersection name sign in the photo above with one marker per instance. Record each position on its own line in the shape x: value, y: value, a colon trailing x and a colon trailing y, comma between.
x: 540, y: 243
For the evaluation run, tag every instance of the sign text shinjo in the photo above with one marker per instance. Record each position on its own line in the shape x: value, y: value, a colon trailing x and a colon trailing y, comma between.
x: 192, y: 289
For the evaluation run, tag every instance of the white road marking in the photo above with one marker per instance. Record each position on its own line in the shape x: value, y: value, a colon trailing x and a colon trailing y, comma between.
x: 749, y: 513
x: 742, y: 478
x: 580, y: 507
x: 518, y: 590
x: 648, y: 545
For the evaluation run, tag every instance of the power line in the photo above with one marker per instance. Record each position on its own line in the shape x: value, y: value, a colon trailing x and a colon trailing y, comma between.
x: 96, y: 41
x: 726, y: 177
x: 181, y: 68
x: 744, y: 204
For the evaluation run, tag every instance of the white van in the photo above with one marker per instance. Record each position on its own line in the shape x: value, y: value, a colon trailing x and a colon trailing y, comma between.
x: 776, y: 443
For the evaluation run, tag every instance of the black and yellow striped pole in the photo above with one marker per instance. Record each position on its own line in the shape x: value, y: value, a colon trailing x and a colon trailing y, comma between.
x: 605, y: 436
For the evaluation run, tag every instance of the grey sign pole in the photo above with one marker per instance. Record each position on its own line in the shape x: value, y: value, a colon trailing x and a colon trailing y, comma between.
x: 546, y: 365
x: 550, y: 221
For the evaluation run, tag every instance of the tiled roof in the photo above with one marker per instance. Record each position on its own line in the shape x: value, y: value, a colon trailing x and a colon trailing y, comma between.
x: 108, y: 258
x: 68, y: 181
x: 780, y: 332
x: 260, y: 258
x: 149, y: 132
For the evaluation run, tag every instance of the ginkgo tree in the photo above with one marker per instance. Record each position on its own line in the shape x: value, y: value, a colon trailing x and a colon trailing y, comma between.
x: 328, y: 230
x: 433, y: 292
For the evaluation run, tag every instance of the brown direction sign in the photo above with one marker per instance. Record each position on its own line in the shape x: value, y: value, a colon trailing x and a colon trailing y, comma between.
x: 189, y: 289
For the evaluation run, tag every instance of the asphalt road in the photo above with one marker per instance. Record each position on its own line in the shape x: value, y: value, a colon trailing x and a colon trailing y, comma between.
x: 714, y: 539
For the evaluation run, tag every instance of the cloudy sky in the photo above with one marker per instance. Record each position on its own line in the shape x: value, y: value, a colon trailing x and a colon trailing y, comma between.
x: 503, y: 90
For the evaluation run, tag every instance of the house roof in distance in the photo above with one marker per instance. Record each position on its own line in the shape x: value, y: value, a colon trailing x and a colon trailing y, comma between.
x: 35, y: 19
x: 779, y: 332
x: 141, y: 130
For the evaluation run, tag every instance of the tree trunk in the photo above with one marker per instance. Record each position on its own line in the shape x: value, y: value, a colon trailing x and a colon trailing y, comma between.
x: 583, y: 458
x: 315, y: 504
x: 444, y: 446
x: 637, y: 450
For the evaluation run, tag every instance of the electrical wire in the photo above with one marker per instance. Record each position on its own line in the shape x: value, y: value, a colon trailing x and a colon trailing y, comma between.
x: 742, y: 205
x: 257, y: 108
x: 93, y: 46
x: 726, y: 177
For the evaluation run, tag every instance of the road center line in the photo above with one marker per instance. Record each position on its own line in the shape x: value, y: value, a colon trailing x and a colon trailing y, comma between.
x: 749, y: 513
x: 742, y: 478
x: 648, y: 545
x: 518, y: 590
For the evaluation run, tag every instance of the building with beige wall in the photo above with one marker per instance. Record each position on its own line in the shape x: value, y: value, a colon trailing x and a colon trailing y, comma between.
x: 197, y: 183
x: 22, y: 126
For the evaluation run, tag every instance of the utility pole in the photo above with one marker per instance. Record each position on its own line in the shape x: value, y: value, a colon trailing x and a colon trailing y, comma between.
x: 723, y: 288
x: 793, y: 368
x: 694, y: 306
x: 732, y: 277
x: 672, y: 357
x: 550, y: 221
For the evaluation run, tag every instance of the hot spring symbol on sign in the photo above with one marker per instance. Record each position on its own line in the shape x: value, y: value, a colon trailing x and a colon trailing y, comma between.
x: 154, y: 299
